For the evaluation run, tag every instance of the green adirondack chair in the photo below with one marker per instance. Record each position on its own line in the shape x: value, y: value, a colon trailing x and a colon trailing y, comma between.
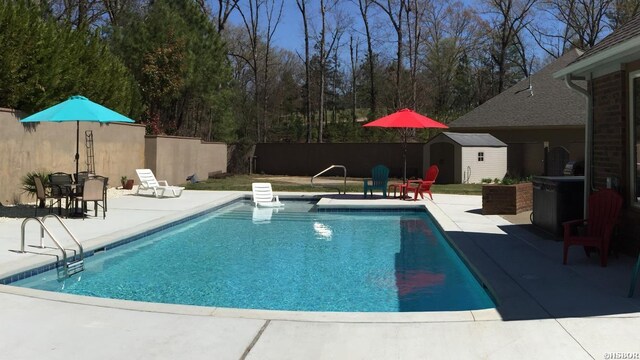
x: 378, y: 180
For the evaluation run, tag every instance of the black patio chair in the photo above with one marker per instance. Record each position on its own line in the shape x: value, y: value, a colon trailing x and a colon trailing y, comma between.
x: 59, y: 188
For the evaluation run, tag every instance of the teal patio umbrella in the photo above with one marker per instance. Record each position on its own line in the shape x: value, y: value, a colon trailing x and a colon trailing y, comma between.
x: 77, y: 108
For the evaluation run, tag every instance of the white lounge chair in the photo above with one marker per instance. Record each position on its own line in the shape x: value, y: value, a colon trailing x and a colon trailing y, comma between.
x: 262, y: 215
x: 263, y: 195
x: 159, y: 187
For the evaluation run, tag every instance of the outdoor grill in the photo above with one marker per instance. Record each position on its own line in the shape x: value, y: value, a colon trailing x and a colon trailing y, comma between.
x: 557, y: 199
x: 574, y: 168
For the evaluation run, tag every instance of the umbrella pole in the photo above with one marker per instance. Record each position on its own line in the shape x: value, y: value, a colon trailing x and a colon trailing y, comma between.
x: 77, y: 148
x: 404, y: 158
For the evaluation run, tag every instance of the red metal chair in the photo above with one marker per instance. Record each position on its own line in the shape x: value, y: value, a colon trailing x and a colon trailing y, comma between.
x: 596, y: 230
x: 420, y: 186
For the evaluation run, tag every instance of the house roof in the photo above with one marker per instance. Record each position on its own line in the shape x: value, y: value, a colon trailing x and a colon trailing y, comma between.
x: 549, y: 103
x: 627, y: 31
x: 620, y: 46
x: 473, y: 140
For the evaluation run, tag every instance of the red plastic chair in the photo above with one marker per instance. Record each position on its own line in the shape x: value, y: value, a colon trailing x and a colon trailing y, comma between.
x: 421, y: 186
x: 604, y: 207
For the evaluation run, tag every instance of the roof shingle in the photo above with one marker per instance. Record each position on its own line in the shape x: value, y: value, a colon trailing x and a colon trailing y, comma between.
x: 549, y: 103
x: 474, y: 140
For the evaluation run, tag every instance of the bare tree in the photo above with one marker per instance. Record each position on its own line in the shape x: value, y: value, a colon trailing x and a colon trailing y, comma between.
x: 511, y: 17
x: 323, y: 12
x: 578, y: 24
x: 326, y: 46
x: 273, y: 13
x: 302, y: 6
x: 251, y: 20
x: 353, y: 56
x: 225, y: 8
x: 621, y: 12
x: 114, y: 9
x: 364, y: 6
x: 82, y: 14
x: 450, y: 34
x: 395, y: 10
x: 415, y: 11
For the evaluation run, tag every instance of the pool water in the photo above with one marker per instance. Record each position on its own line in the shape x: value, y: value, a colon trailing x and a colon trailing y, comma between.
x: 285, y: 259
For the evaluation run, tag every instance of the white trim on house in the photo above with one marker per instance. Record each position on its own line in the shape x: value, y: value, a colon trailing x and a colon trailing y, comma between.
x: 633, y: 158
x: 614, y: 54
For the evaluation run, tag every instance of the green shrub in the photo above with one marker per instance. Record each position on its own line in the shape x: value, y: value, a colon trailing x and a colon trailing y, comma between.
x: 486, y: 181
x: 29, y: 185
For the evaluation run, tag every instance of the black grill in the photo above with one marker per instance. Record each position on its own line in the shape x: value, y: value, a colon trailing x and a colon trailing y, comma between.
x: 574, y: 168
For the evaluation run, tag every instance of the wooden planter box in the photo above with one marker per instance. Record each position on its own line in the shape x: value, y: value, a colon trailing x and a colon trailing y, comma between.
x: 507, y: 199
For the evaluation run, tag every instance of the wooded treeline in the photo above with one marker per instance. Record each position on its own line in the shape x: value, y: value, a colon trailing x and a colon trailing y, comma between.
x: 211, y: 68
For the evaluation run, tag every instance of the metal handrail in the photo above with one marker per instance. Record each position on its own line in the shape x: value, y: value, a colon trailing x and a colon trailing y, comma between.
x: 44, y: 218
x: 327, y: 169
x: 43, y: 228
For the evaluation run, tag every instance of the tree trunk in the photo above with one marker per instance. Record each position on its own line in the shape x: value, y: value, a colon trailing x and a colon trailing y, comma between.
x: 323, y: 62
x: 397, y: 25
x: 354, y: 69
x: 364, y: 8
x: 302, y: 6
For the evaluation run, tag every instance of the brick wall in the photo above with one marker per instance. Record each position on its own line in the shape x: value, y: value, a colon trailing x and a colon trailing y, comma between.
x: 610, y: 151
x: 507, y: 199
x: 609, y: 129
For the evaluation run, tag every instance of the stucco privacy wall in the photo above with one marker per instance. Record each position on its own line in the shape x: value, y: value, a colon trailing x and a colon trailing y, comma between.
x: 310, y: 159
x: 173, y: 158
x: 118, y: 150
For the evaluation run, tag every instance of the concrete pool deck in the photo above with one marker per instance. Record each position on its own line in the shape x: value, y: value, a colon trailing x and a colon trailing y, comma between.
x: 545, y: 310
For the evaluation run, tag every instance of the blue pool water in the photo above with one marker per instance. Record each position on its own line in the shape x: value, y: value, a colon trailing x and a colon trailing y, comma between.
x: 289, y: 259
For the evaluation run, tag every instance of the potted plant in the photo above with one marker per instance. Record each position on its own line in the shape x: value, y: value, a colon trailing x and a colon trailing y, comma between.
x: 127, y: 184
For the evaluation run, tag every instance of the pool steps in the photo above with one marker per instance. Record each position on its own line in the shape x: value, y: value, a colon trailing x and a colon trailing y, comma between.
x: 70, y: 264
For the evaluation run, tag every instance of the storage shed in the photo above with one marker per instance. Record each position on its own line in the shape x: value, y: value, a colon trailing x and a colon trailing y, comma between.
x: 466, y: 157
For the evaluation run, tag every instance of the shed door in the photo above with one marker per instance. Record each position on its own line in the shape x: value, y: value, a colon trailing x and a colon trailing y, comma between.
x: 442, y: 154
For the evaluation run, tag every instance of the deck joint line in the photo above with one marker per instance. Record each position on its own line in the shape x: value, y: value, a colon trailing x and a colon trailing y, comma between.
x: 255, y: 340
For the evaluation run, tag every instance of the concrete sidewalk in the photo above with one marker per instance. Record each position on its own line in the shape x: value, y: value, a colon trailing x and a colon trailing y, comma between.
x: 545, y: 310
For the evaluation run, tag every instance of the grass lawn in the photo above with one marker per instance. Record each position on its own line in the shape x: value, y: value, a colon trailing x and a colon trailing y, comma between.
x: 303, y: 184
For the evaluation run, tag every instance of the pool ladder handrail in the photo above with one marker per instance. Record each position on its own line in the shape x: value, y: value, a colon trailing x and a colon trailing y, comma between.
x: 331, y: 187
x: 70, y: 267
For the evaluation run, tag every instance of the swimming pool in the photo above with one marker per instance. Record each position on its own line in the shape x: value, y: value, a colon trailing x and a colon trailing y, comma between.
x: 285, y: 259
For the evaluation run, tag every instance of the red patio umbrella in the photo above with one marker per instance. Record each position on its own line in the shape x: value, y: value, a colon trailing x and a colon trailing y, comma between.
x: 406, y: 119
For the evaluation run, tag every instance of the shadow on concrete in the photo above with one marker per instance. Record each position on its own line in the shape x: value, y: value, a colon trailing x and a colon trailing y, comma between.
x: 475, y: 211
x: 523, y: 269
x: 25, y: 211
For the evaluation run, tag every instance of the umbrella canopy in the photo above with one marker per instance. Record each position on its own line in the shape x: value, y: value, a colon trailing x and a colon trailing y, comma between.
x: 77, y: 108
x: 406, y: 119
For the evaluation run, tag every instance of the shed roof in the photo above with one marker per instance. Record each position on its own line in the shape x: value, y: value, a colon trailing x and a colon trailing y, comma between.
x: 473, y: 139
x: 549, y: 103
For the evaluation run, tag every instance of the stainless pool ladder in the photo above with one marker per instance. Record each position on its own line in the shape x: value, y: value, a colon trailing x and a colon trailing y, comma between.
x: 71, y: 264
x: 344, y: 191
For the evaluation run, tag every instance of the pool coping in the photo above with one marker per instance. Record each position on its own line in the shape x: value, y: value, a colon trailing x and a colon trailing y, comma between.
x: 128, y: 235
